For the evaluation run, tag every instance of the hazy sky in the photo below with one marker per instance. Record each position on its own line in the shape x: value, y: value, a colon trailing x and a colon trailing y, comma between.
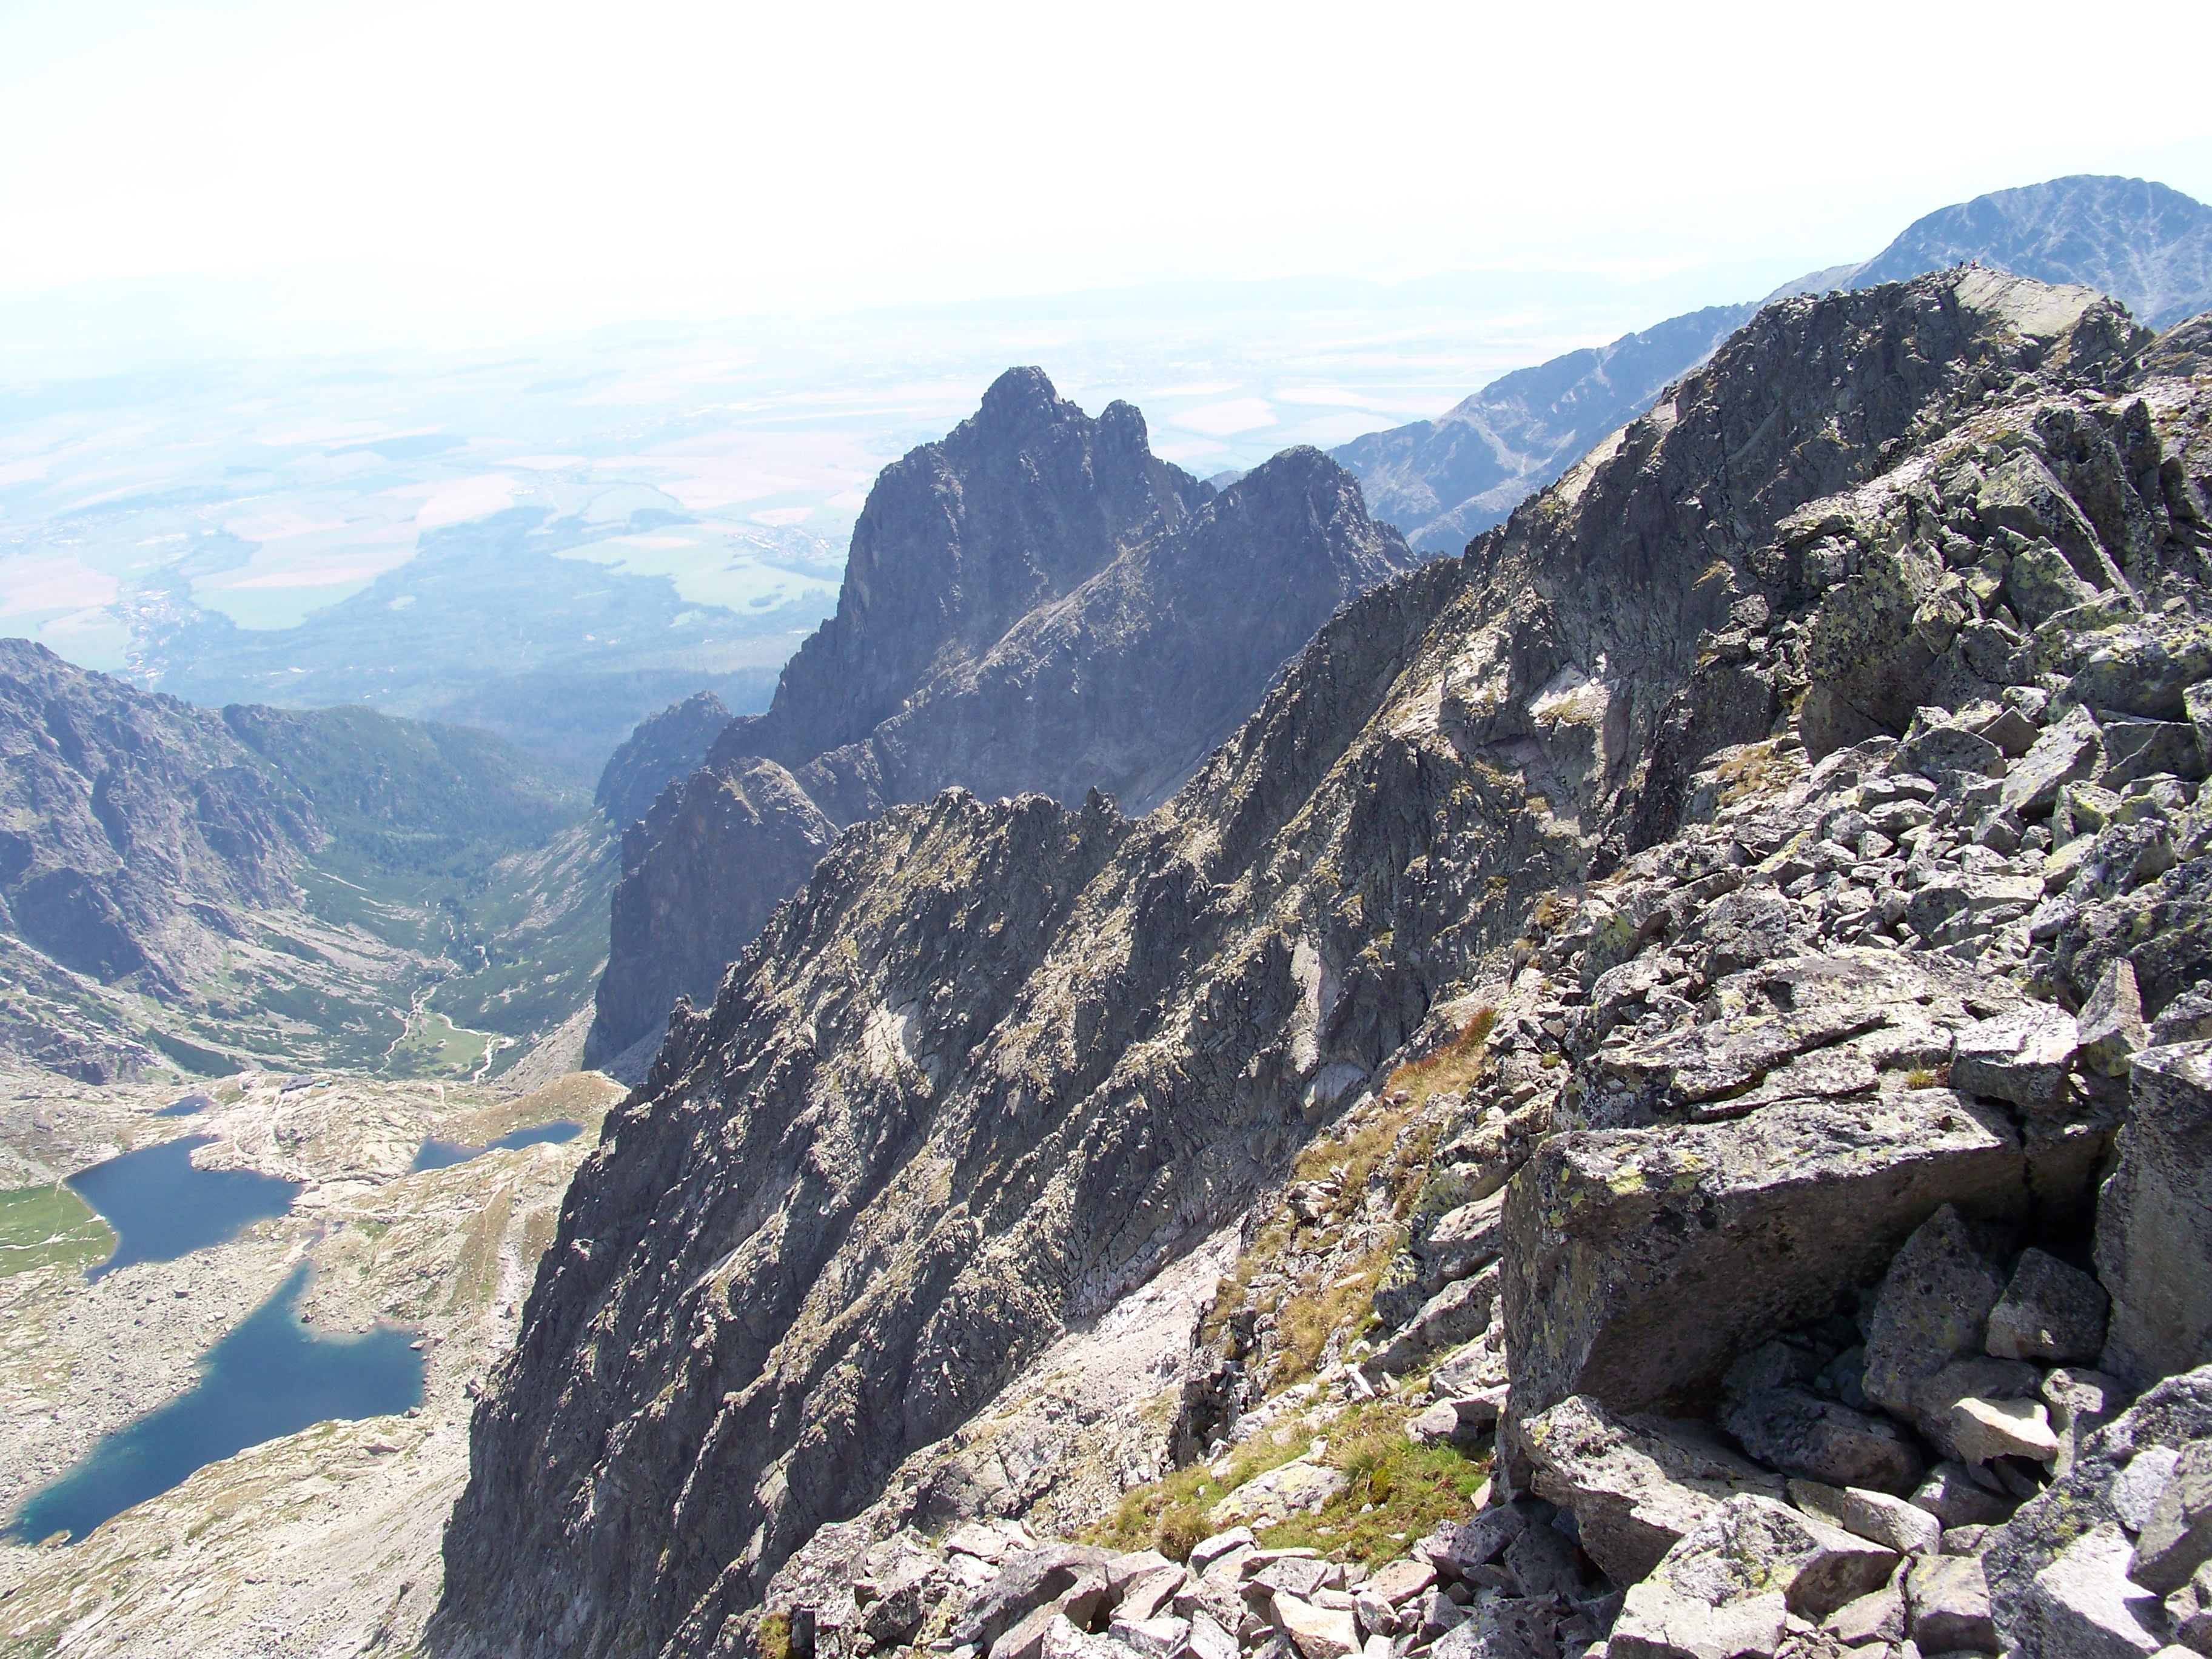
x: 566, y: 163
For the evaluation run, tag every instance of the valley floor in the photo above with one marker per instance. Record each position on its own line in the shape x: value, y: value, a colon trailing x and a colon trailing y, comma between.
x: 327, y: 1540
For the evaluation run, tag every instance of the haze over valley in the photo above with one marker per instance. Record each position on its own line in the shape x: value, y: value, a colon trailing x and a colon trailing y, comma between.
x: 1000, y: 836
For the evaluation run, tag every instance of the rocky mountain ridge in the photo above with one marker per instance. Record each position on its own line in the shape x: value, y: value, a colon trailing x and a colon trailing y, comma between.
x: 1765, y: 863
x: 1035, y: 603
x: 1448, y: 479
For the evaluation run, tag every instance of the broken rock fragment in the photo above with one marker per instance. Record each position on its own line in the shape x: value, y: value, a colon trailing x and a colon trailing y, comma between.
x: 2155, y: 1219
x: 1731, y: 1585
x: 2049, y: 1312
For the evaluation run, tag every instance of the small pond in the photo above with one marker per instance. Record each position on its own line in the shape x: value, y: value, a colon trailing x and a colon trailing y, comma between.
x: 161, y: 1207
x: 443, y: 1154
x: 186, y: 1107
x: 271, y: 1375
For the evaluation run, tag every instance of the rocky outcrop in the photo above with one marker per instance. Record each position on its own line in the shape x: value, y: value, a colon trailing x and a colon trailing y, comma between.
x: 1445, y: 480
x: 1035, y: 603
x: 1448, y: 480
x: 664, y: 749
x: 998, y: 1063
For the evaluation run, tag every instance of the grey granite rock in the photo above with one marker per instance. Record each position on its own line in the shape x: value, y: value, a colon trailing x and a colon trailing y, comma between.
x: 2155, y: 1220
x: 2083, y: 1504
x: 1932, y: 1310
x: 1798, y: 1433
x: 2049, y: 1312
x: 1635, y: 1485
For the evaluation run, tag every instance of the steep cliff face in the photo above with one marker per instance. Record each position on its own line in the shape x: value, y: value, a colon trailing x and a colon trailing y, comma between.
x: 997, y: 1064
x: 664, y: 749
x: 1036, y: 604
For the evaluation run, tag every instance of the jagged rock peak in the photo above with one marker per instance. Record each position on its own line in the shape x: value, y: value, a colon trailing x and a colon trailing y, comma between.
x: 1018, y: 506
x: 1034, y: 603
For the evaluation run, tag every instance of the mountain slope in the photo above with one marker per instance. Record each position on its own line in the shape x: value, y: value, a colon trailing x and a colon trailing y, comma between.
x: 1446, y: 479
x: 1036, y: 603
x: 2147, y: 246
x: 264, y: 883
x: 997, y: 1064
x: 1465, y: 470
x: 663, y: 748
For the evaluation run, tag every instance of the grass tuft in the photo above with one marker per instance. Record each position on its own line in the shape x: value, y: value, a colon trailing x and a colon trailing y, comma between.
x: 1452, y: 1068
x: 1399, y: 1492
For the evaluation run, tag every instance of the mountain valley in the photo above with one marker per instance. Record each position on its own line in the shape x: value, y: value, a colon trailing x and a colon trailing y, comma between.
x: 1622, y: 1075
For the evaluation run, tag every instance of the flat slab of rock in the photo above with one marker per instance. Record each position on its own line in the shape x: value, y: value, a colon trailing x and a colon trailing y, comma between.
x: 1635, y: 1485
x: 1316, y: 1632
x: 2023, y: 1057
x: 1645, y: 1260
x: 2066, y: 753
x: 1890, y: 1521
x: 1293, y: 1488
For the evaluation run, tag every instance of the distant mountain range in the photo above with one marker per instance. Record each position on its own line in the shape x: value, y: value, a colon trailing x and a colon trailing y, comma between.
x: 1444, y: 481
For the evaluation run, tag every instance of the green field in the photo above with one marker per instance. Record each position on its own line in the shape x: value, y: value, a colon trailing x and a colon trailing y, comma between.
x: 50, y: 1227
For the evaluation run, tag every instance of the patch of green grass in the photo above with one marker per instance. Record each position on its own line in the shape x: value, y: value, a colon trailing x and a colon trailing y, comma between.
x: 50, y: 1227
x: 1399, y: 1490
x: 775, y: 1639
x: 1169, y: 1514
x: 1304, y: 1323
x: 436, y: 1046
x: 1452, y: 1068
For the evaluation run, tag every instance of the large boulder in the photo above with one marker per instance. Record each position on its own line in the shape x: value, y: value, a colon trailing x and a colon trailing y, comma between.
x: 1644, y: 1260
x: 2155, y: 1219
x: 1635, y: 1485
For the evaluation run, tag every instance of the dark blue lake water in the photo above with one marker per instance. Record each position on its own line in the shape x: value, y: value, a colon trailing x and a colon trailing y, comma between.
x: 186, y: 1107
x: 161, y: 1207
x: 443, y: 1154
x: 271, y: 1375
